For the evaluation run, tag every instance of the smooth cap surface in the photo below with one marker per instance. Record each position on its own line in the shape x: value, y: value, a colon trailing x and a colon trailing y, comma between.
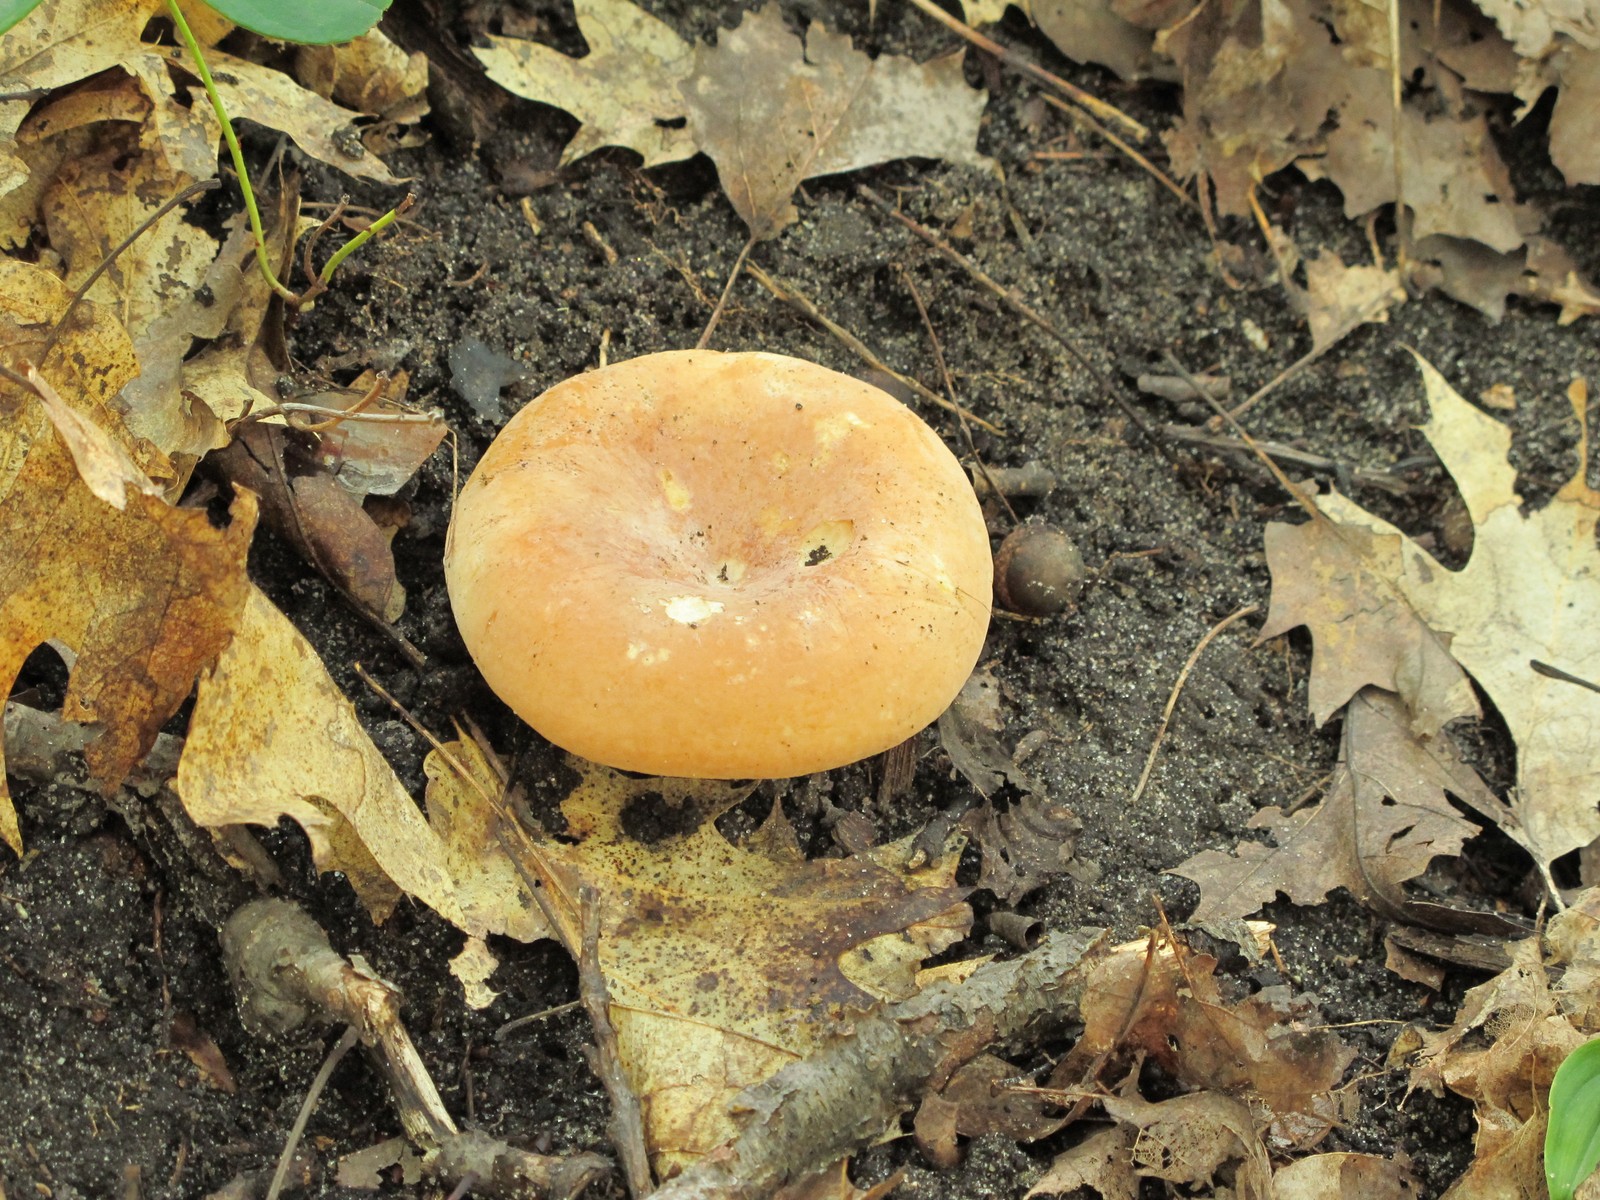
x: 720, y: 565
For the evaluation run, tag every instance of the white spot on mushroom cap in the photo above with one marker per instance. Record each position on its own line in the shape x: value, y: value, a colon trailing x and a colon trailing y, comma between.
x: 690, y: 610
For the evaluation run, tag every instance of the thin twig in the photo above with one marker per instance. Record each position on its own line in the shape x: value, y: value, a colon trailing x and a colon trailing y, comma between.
x: 1085, y: 121
x: 627, y: 1121
x: 1296, y: 492
x: 1016, y: 62
x: 797, y: 300
x: 313, y: 1094
x: 188, y: 193
x: 727, y: 290
x: 950, y: 389
x: 1388, y: 481
x: 1013, y: 301
x: 545, y: 1014
x: 1177, y: 689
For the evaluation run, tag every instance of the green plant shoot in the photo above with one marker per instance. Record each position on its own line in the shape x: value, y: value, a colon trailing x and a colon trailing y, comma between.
x: 1572, y: 1138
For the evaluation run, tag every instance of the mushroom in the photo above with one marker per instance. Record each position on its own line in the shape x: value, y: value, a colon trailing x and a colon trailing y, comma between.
x: 720, y: 566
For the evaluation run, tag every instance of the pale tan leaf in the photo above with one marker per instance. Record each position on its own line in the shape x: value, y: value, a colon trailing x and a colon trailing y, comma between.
x: 321, y: 128
x: 1344, y: 1176
x: 624, y: 91
x: 272, y: 736
x: 1336, y: 579
x: 1342, y: 298
x: 1092, y: 31
x: 1529, y: 592
x: 67, y: 40
x: 1102, y: 1162
x: 773, y: 111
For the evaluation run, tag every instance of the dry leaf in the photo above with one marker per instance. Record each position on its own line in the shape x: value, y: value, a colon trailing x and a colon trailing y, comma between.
x: 273, y: 736
x: 1385, y: 817
x: 145, y: 596
x: 315, y: 514
x: 1266, y: 1049
x: 1187, y: 1140
x: 1334, y: 579
x: 725, y: 964
x: 1575, y: 123
x: 369, y: 74
x: 1342, y: 298
x: 773, y: 111
x: 1093, y: 31
x: 1344, y: 1176
x: 203, y: 1052
x: 1530, y: 592
x: 1102, y: 1162
x: 491, y: 892
x: 1501, y: 1053
x: 624, y: 91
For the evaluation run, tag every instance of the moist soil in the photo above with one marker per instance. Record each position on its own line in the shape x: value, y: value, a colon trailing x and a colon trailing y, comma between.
x: 109, y: 926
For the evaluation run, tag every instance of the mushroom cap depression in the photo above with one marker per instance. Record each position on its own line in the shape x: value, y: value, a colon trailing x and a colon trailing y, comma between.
x: 720, y: 566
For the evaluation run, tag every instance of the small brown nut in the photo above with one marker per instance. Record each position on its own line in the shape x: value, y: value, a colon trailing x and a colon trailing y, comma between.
x: 1038, y: 571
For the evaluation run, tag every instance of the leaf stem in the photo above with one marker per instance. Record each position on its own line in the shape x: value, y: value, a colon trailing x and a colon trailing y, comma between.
x: 233, y: 149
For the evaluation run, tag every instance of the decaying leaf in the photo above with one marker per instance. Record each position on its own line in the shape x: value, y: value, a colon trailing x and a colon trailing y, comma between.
x: 1266, y: 1050
x: 1529, y: 593
x: 1386, y: 815
x: 1335, y: 579
x: 1102, y: 1163
x: 726, y: 963
x: 624, y: 91
x: 369, y: 74
x: 1501, y: 1053
x: 77, y: 569
x: 773, y: 110
x: 316, y: 514
x: 1188, y: 1139
x: 1344, y: 1176
x: 273, y: 736
x: 1340, y: 298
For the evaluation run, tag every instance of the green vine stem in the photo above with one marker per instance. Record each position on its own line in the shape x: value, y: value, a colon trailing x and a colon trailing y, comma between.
x: 319, y: 283
x: 233, y: 149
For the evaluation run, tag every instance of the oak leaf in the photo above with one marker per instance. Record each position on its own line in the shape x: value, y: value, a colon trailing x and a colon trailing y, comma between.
x: 272, y: 736
x: 1385, y: 817
x: 1517, y: 617
x: 725, y: 963
x: 624, y: 91
x: 145, y: 596
x: 773, y: 110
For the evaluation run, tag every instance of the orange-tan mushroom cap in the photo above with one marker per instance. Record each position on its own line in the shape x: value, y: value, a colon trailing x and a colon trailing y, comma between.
x: 720, y: 566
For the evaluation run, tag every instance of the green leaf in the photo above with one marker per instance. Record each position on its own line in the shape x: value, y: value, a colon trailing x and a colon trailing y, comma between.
x: 1572, y: 1139
x: 12, y: 11
x: 310, y: 22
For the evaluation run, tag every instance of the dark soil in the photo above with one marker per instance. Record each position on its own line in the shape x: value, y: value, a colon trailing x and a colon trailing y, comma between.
x: 108, y: 928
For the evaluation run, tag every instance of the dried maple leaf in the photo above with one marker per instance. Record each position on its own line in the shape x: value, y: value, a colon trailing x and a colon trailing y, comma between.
x: 724, y: 963
x: 1575, y: 122
x: 624, y: 91
x: 1340, y: 298
x: 773, y: 110
x: 1529, y: 593
x: 1385, y: 817
x: 146, y: 595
